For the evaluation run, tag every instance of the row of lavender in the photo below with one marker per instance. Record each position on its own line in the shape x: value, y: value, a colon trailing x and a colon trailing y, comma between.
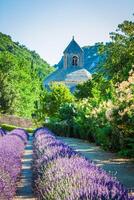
x: 2, y: 132
x: 11, y: 151
x: 61, y: 173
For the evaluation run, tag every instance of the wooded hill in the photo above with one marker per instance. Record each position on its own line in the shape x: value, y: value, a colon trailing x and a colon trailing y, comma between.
x: 21, y: 52
x: 21, y: 75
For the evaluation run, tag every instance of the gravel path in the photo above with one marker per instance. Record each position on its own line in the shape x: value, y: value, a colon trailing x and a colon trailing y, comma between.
x: 24, y: 190
x: 123, y: 169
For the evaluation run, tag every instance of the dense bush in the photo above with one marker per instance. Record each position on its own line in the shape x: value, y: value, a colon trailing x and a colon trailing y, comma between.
x: 50, y: 101
x: 11, y: 151
x: 61, y: 173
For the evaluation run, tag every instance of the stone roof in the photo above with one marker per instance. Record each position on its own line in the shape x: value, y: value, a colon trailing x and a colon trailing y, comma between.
x: 70, y: 77
x: 73, y: 47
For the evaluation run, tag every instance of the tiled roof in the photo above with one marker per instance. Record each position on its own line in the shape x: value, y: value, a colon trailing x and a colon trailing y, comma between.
x: 70, y: 77
x: 73, y: 47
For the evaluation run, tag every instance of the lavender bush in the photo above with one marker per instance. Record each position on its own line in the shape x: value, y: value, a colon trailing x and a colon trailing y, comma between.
x: 2, y: 132
x: 11, y: 151
x: 62, y: 174
x: 21, y: 133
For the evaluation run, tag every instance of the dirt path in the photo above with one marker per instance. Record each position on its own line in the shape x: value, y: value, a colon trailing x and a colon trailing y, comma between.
x: 123, y: 169
x: 24, y: 190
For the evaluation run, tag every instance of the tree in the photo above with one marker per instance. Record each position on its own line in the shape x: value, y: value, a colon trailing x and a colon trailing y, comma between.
x: 21, y: 76
x: 67, y: 112
x: 7, y: 94
x: 83, y: 90
x: 96, y: 90
x: 102, y: 89
x: 119, y: 52
x: 51, y: 101
x: 27, y: 85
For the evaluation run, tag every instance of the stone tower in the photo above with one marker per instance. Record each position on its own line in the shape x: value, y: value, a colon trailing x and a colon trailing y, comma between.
x: 73, y: 56
x: 71, y: 71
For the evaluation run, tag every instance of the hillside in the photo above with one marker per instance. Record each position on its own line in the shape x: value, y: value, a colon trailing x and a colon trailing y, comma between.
x: 21, y: 75
x: 92, y: 59
x: 21, y: 52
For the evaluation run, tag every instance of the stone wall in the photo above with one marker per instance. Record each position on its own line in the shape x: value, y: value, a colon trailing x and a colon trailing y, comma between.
x: 16, y: 121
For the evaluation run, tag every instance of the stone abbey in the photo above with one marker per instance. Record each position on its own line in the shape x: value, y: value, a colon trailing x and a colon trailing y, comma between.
x: 72, y: 71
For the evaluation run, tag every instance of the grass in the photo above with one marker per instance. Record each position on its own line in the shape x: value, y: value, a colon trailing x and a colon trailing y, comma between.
x: 9, y: 127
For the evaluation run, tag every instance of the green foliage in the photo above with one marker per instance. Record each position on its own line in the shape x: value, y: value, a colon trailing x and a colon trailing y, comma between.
x: 120, y: 52
x: 59, y: 94
x: 102, y: 89
x: 7, y: 65
x: 84, y: 90
x: 51, y: 101
x: 103, y: 137
x: 21, y: 75
x: 9, y: 127
x: 61, y: 128
x: 128, y: 149
x: 67, y: 112
x: 97, y: 90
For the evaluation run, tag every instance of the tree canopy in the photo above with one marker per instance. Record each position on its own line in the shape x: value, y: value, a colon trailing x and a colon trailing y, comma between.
x: 119, y: 52
x: 21, y: 77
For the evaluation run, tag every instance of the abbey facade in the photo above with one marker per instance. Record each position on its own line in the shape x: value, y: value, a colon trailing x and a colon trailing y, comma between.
x: 72, y: 71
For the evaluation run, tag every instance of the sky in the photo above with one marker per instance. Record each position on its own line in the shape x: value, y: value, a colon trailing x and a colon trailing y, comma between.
x: 47, y: 26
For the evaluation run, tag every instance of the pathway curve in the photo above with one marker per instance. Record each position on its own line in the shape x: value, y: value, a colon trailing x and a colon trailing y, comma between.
x: 123, y: 169
x: 24, y: 190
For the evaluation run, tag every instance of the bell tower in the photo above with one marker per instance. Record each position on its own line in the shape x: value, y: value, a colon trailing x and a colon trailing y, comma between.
x: 73, y: 55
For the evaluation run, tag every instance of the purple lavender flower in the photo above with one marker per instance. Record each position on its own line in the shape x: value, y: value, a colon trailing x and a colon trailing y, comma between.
x: 22, y: 134
x: 2, y: 132
x: 11, y: 152
x: 60, y: 173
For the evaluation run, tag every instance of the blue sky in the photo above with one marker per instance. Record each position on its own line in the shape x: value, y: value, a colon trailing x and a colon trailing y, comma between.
x: 47, y: 26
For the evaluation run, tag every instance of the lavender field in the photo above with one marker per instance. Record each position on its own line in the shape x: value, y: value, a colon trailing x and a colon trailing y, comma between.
x: 56, y: 172
x: 66, y: 100
x: 12, y: 147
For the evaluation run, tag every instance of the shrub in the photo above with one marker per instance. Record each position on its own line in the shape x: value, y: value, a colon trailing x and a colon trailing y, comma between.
x: 103, y: 137
x: 61, y: 173
x: 9, y: 127
x: 11, y: 151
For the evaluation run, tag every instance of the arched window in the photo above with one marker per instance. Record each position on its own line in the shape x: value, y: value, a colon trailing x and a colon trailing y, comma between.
x: 75, y: 61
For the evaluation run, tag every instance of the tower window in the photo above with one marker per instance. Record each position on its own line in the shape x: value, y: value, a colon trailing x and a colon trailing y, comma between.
x: 75, y: 61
